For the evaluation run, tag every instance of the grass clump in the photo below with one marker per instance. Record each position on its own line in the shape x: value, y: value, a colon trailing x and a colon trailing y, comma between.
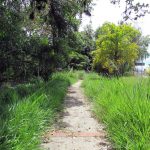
x: 124, y: 106
x: 25, y: 118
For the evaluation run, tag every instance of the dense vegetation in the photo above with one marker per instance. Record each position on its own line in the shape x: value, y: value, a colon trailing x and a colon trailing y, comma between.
x: 36, y: 37
x: 117, y: 48
x: 39, y: 38
x: 124, y: 107
x: 28, y: 108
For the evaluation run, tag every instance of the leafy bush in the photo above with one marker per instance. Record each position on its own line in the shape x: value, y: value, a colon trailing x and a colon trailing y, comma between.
x: 147, y: 71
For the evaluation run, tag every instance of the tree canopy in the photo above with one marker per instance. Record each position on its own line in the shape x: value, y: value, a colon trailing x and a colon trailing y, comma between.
x: 133, y: 9
x: 39, y: 36
x: 116, y: 48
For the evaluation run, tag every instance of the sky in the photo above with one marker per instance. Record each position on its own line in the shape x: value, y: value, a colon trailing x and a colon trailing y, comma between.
x: 105, y: 11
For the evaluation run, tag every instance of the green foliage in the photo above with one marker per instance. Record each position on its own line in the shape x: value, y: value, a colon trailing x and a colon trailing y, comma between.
x: 116, y: 48
x: 143, y: 43
x: 39, y: 45
x: 19, y: 50
x: 82, y: 43
x: 78, y: 61
x: 27, y: 115
x: 124, y: 107
x: 147, y: 71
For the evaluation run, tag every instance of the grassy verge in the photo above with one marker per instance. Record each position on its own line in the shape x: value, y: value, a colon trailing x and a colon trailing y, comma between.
x: 124, y: 106
x: 29, y: 109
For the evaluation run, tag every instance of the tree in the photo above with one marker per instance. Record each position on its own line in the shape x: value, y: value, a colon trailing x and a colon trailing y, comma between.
x: 82, y: 44
x: 22, y: 44
x: 143, y: 43
x: 11, y: 39
x: 61, y: 16
x: 39, y: 46
x: 116, y: 48
x: 133, y: 9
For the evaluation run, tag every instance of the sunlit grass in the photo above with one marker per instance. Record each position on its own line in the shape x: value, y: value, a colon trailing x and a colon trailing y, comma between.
x: 124, y: 106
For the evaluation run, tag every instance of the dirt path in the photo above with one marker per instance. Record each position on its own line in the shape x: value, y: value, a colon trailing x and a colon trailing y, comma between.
x: 77, y: 130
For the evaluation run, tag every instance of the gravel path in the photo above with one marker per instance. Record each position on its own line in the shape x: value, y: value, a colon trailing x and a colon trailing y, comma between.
x: 77, y: 129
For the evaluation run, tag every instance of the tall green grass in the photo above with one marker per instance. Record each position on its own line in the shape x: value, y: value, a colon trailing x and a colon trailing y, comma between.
x: 124, y: 106
x: 28, y: 109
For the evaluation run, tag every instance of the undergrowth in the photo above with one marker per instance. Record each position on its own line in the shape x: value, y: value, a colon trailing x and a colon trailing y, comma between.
x: 26, y: 110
